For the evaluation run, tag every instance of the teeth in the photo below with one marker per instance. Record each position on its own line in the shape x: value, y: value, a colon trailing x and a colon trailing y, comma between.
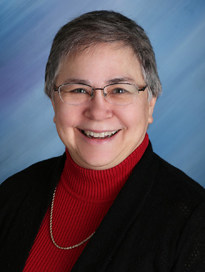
x: 99, y: 135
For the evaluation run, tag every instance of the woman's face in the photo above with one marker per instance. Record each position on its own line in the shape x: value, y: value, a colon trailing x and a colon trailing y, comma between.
x: 97, y: 66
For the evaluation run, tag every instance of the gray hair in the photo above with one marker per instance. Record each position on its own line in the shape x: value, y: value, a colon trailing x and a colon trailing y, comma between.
x: 102, y: 27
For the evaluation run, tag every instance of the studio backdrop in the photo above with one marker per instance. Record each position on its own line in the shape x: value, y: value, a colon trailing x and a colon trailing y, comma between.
x: 177, y: 32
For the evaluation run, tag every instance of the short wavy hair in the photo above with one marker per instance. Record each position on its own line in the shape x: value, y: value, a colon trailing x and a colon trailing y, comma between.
x: 102, y: 27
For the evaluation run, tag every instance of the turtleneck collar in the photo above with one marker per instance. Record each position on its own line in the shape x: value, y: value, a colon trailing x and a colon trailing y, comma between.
x: 99, y: 185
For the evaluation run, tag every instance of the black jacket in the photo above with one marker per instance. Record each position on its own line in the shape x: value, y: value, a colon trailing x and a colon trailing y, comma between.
x: 156, y: 224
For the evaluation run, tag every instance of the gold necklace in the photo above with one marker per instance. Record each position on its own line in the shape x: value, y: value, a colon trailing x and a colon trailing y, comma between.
x: 51, y: 230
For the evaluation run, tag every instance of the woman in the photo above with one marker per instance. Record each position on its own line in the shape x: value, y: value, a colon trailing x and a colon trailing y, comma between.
x: 109, y: 203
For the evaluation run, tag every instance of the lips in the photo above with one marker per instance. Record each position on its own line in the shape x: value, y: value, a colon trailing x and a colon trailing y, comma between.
x: 99, y: 135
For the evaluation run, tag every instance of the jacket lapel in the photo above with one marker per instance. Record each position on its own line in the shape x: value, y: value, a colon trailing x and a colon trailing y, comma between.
x: 127, y: 206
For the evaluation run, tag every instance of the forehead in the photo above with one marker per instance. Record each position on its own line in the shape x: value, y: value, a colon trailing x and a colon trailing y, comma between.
x: 94, y: 49
x: 100, y: 61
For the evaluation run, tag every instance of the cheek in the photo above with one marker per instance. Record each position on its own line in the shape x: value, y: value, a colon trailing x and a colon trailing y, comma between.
x: 65, y: 123
x: 136, y: 116
x: 64, y: 118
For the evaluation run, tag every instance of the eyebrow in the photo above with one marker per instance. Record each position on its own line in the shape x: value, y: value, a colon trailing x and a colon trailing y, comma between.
x: 76, y: 80
x: 119, y: 80
x: 110, y: 81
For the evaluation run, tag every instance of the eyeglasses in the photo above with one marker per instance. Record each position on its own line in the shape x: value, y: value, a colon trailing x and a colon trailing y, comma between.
x: 115, y: 93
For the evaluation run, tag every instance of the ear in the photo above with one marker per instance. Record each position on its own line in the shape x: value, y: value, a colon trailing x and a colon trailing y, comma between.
x: 53, y: 104
x: 151, y: 102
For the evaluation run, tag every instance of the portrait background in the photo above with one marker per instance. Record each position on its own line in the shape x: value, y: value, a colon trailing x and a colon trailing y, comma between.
x: 177, y: 31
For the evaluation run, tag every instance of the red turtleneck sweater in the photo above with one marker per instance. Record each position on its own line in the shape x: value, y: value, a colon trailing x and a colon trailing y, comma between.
x: 83, y: 197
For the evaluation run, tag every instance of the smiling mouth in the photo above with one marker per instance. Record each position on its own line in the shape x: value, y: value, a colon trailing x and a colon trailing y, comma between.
x: 99, y: 135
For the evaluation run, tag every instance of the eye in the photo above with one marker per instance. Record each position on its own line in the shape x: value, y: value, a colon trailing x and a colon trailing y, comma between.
x: 119, y: 91
x: 79, y: 90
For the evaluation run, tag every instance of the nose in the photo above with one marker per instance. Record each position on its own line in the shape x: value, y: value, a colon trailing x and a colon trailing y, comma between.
x: 98, y: 108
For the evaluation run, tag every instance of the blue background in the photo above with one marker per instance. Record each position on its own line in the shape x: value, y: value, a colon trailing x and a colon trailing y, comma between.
x: 177, y: 31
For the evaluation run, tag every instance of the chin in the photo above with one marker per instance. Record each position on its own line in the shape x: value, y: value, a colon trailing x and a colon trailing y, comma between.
x: 97, y: 162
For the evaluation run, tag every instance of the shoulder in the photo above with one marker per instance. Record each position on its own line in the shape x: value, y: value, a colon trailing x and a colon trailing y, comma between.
x: 35, y: 176
x: 167, y: 177
x: 176, y: 192
x: 170, y: 189
x: 176, y: 180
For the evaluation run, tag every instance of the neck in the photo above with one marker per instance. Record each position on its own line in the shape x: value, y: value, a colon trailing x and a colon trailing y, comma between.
x: 100, y: 185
